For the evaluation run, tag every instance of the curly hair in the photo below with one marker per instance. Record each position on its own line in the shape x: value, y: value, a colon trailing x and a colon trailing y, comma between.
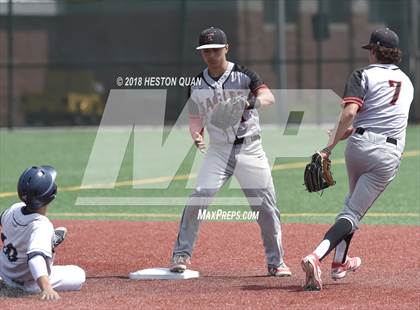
x: 388, y: 55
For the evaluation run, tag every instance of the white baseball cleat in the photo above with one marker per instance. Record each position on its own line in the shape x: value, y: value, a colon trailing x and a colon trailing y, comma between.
x: 339, y: 271
x: 179, y: 263
x: 311, y: 266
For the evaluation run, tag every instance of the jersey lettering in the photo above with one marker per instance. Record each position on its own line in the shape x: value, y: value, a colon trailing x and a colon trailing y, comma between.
x: 9, y: 250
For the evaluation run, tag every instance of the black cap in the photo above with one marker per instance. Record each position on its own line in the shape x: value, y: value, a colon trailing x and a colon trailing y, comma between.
x: 383, y: 37
x: 212, y: 38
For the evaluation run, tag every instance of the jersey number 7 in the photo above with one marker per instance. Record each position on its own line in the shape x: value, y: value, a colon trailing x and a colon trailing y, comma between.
x: 397, y: 85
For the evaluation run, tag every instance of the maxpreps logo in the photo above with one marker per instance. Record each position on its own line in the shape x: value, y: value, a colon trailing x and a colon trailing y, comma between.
x: 221, y: 215
x: 159, y: 151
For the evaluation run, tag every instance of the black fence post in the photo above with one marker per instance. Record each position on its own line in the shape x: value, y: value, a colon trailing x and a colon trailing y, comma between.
x: 10, y: 68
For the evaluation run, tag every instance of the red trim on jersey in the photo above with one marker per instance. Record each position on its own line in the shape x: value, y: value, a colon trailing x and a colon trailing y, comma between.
x: 356, y: 100
x: 353, y: 99
x: 262, y: 86
x: 352, y: 102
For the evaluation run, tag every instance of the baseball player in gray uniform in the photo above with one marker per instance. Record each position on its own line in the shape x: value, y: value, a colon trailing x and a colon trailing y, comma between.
x: 29, y: 240
x: 232, y: 151
x: 376, y: 102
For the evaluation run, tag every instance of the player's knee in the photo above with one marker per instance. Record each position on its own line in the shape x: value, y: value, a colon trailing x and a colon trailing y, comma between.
x: 267, y: 211
x: 77, y: 280
x: 81, y: 276
x: 351, y: 218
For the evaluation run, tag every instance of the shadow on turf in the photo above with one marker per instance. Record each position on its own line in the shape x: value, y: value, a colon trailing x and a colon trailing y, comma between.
x: 290, y: 288
x: 235, y: 277
x: 9, y: 292
x: 108, y: 277
x: 201, y: 277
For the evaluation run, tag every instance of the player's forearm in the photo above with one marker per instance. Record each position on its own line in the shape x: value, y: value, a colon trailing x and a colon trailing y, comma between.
x: 47, y: 291
x: 346, y: 120
x: 38, y: 268
x: 265, y: 98
x: 343, y: 125
x: 195, y: 125
x: 44, y: 283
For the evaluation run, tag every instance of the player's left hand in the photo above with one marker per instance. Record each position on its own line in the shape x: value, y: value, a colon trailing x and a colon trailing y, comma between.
x: 317, y: 174
x: 228, y: 113
x: 50, y: 295
x: 324, y: 155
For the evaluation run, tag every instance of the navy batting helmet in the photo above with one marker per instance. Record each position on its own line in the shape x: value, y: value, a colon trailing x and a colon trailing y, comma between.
x: 36, y: 186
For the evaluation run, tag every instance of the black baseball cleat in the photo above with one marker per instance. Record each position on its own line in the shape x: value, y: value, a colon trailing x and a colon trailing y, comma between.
x: 180, y: 263
x: 59, y: 236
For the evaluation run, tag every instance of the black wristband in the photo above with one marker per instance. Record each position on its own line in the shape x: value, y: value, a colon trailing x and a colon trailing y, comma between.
x: 326, y: 150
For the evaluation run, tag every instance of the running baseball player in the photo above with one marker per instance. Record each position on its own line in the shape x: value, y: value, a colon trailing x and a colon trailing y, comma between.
x: 226, y: 103
x: 376, y: 103
x: 29, y: 240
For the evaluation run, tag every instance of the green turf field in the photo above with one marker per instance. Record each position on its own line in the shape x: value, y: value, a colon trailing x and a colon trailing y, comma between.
x: 68, y: 151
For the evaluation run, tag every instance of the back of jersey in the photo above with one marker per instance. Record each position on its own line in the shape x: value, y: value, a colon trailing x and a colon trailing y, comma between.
x: 384, y: 94
x: 22, y: 235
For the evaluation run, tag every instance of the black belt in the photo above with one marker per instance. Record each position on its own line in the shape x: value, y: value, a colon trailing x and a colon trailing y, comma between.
x: 242, y: 140
x: 361, y: 131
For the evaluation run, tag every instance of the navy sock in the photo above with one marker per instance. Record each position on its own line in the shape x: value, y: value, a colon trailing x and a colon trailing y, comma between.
x: 340, y: 230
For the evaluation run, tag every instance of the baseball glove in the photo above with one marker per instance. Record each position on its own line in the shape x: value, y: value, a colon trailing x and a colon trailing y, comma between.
x: 227, y: 114
x: 318, y: 174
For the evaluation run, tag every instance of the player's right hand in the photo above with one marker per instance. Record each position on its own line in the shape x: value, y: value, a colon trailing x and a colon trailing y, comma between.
x: 50, y: 294
x: 199, y: 142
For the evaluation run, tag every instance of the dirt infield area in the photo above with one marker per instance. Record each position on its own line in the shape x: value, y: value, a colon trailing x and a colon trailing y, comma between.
x: 231, y: 261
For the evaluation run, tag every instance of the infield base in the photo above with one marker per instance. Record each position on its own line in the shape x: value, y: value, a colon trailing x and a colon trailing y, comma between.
x: 162, y: 274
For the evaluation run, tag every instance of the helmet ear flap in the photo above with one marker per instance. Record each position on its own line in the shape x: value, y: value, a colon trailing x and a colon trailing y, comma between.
x: 52, y: 194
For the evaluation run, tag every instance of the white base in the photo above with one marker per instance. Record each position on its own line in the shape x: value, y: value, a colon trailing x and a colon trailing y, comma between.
x: 162, y: 274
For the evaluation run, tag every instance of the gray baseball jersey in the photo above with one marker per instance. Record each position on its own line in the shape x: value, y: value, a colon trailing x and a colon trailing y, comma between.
x: 236, y: 80
x: 384, y: 94
x: 230, y: 155
x: 373, y: 153
x: 24, y: 236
